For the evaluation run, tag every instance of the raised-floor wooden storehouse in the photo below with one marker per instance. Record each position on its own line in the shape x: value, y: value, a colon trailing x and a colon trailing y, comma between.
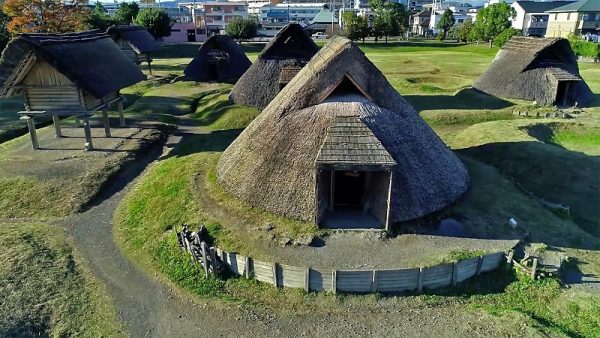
x: 339, y: 146
x: 60, y: 75
x: 219, y: 59
x: 135, y: 41
x: 280, y: 60
x: 543, y: 70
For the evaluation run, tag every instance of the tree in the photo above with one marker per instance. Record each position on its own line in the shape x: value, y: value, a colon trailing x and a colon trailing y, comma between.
x: 242, y: 29
x: 492, y: 20
x: 465, y: 30
x: 45, y: 16
x: 127, y: 12
x: 4, y: 34
x: 506, y: 35
x: 99, y: 18
x: 390, y: 18
x: 156, y: 21
x: 446, y: 22
x: 355, y: 27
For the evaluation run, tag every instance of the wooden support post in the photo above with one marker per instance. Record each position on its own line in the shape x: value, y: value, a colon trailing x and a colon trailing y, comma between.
x: 374, y: 282
x: 204, y: 258
x: 509, y: 260
x: 106, y: 122
x: 420, y: 281
x: 334, y: 281
x: 534, y: 268
x: 454, y: 273
x: 332, y: 191
x: 89, y: 144
x: 57, y: 131
x: 388, y: 226
x: 247, y: 268
x: 32, y: 133
x: 479, y: 263
x: 120, y: 111
x: 213, y: 260
x: 307, y: 279
x: 275, y: 275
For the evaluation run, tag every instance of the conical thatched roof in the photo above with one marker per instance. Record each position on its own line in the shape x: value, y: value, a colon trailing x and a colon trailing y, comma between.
x: 531, y: 69
x: 90, y: 59
x: 220, y: 59
x: 278, y: 62
x: 340, y: 111
x: 138, y: 37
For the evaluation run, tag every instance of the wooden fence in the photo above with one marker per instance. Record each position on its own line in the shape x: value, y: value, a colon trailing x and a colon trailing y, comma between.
x: 352, y: 281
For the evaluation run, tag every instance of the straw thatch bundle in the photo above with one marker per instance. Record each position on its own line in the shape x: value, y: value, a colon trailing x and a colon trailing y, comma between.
x: 278, y: 62
x: 272, y: 164
x: 90, y: 59
x: 220, y: 59
x: 536, y: 69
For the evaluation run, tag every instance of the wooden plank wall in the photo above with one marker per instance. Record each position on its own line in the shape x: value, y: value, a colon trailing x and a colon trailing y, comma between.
x: 357, y: 281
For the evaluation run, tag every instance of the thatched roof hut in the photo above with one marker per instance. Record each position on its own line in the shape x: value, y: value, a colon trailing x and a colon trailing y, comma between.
x: 536, y: 69
x: 135, y: 41
x: 220, y: 59
x: 277, y: 64
x: 71, y: 74
x: 338, y: 145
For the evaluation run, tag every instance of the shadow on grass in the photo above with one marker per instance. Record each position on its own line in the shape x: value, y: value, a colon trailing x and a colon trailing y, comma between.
x: 216, y: 141
x: 468, y: 98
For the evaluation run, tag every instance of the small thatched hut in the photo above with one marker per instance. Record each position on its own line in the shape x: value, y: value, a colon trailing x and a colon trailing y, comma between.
x: 277, y: 64
x: 72, y: 74
x: 339, y: 146
x: 135, y: 41
x: 536, y: 69
x: 219, y: 59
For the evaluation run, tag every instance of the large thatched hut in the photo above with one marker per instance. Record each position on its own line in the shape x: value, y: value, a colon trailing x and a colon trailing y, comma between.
x: 220, y: 59
x: 73, y: 74
x: 280, y: 60
x: 536, y: 69
x: 340, y: 147
x: 135, y: 41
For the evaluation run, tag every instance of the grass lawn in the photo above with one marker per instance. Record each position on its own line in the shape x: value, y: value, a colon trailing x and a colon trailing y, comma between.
x: 45, y: 290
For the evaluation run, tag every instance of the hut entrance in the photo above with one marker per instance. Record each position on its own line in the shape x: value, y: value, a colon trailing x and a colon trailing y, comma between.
x: 562, y: 93
x: 350, y: 189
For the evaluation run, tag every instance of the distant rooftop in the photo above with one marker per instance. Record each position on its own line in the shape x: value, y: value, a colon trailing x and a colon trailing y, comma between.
x: 540, y: 7
x: 579, y: 6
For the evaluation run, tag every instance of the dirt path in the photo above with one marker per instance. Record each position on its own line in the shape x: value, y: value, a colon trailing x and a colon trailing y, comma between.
x: 150, y: 308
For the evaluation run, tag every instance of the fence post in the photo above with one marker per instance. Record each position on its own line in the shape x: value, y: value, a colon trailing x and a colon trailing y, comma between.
x: 307, y: 279
x: 509, y: 260
x: 374, y: 281
x: 213, y: 260
x: 534, y: 268
x: 479, y: 263
x: 204, y: 260
x: 247, y: 268
x: 420, y: 282
x: 275, y: 274
x: 454, y: 273
x: 334, y: 281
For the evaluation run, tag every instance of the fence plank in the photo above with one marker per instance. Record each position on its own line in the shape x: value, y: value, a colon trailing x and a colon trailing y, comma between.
x: 437, y: 276
x: 466, y: 269
x: 204, y: 260
x: 263, y: 272
x: 397, y: 280
x: 491, y: 261
x: 320, y: 280
x: 355, y: 281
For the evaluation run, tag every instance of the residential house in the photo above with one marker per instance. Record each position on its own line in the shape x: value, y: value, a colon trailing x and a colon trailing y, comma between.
x: 531, y: 18
x: 212, y: 17
x: 581, y: 17
x: 274, y: 17
x: 419, y: 23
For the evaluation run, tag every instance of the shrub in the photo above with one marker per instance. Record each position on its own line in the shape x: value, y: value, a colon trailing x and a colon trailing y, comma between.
x: 506, y: 35
x: 583, y: 48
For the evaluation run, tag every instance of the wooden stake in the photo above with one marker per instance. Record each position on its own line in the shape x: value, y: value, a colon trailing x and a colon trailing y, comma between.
x: 106, y: 122
x: 121, y: 116
x: 213, y: 260
x: 420, y: 281
x: 307, y: 279
x: 479, y: 263
x: 204, y: 260
x: 374, y: 281
x: 534, y: 268
x: 32, y: 133
x: 509, y: 260
x: 334, y: 281
x: 89, y: 144
x: 454, y: 273
x: 57, y: 131
x: 247, y: 269
x: 275, y: 274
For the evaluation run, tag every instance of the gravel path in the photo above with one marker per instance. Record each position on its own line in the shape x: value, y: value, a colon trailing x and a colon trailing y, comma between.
x: 149, y: 307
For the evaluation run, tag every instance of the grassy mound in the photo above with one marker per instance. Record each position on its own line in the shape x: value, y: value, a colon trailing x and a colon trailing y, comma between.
x: 45, y: 291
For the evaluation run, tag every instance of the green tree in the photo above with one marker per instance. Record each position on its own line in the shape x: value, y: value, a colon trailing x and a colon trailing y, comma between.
x: 4, y: 33
x: 492, y: 20
x: 465, y: 30
x: 242, y: 29
x: 506, y: 35
x: 126, y: 12
x: 156, y: 21
x: 390, y: 19
x: 98, y: 18
x: 355, y: 27
x: 446, y: 22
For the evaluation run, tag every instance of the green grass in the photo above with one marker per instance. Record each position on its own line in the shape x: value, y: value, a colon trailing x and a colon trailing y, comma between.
x: 45, y: 290
x: 218, y: 113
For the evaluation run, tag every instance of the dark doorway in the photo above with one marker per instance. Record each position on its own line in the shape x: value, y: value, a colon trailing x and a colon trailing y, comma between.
x: 562, y: 93
x: 191, y: 35
x: 349, y: 189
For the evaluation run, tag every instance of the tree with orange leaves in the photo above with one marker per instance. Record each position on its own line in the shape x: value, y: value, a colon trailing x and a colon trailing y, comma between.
x: 45, y: 16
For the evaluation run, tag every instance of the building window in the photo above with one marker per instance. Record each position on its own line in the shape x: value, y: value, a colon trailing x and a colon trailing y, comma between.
x: 217, y: 8
x: 589, y: 16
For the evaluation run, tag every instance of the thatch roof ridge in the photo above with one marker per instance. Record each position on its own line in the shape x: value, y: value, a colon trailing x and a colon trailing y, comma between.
x: 76, y: 56
x: 290, y: 30
x: 235, y: 67
x: 138, y: 37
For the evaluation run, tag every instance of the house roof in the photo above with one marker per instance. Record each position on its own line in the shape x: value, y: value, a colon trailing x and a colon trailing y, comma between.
x: 232, y: 64
x: 324, y: 16
x: 90, y: 59
x: 541, y: 7
x: 423, y: 13
x: 579, y: 6
x: 138, y: 37
x: 349, y: 142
